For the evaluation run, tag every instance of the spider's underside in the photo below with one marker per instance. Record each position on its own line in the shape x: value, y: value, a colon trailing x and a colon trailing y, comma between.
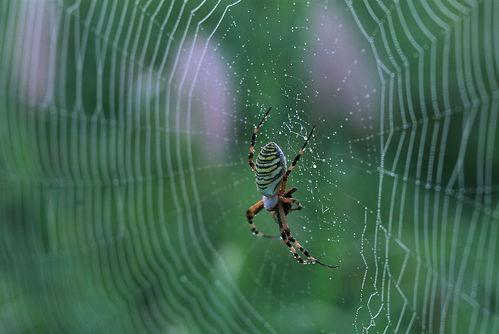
x: 271, y: 178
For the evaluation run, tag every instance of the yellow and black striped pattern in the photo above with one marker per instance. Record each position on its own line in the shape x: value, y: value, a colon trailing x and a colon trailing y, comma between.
x: 270, y: 167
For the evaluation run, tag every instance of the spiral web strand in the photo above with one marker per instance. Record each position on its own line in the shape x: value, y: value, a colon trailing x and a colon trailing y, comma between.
x: 440, y: 278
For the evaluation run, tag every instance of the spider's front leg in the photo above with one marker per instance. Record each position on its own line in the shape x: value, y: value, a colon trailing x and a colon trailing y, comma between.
x: 250, y: 214
x: 287, y: 205
x: 290, y: 241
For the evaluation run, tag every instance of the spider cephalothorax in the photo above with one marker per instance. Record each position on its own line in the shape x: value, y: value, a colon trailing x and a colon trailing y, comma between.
x: 271, y: 178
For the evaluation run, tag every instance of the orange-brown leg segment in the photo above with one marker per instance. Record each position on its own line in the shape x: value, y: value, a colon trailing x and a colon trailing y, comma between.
x: 287, y: 206
x: 253, y: 140
x: 290, y: 241
x: 295, y: 161
x: 289, y: 192
x: 291, y: 201
x: 280, y: 219
x: 250, y: 214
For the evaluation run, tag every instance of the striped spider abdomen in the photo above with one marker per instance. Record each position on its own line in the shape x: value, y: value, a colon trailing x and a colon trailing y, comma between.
x: 269, y: 169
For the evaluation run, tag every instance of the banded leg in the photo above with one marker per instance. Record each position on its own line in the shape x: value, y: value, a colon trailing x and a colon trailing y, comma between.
x: 288, y: 239
x: 253, y: 140
x: 311, y: 259
x: 295, y: 161
x: 250, y: 214
x: 289, y: 201
x: 287, y: 206
x: 281, y: 220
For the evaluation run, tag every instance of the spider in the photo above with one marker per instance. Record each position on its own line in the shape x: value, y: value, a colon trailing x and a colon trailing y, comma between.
x: 271, y: 179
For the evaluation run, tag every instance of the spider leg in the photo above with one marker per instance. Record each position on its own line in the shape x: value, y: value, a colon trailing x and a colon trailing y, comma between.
x: 295, y: 161
x: 251, y: 213
x: 287, y: 205
x: 283, y: 226
x: 289, y: 192
x: 290, y: 241
x: 253, y: 140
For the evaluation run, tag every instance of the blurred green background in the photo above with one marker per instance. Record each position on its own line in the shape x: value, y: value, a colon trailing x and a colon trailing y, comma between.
x: 124, y: 133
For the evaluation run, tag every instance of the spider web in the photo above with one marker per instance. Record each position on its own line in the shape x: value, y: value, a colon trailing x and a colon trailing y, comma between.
x: 124, y: 130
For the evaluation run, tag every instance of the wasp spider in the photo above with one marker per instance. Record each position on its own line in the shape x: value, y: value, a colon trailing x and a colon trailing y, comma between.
x: 271, y: 178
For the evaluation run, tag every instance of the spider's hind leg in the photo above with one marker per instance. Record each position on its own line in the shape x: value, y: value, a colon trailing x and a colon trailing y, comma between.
x: 253, y: 140
x: 295, y: 161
